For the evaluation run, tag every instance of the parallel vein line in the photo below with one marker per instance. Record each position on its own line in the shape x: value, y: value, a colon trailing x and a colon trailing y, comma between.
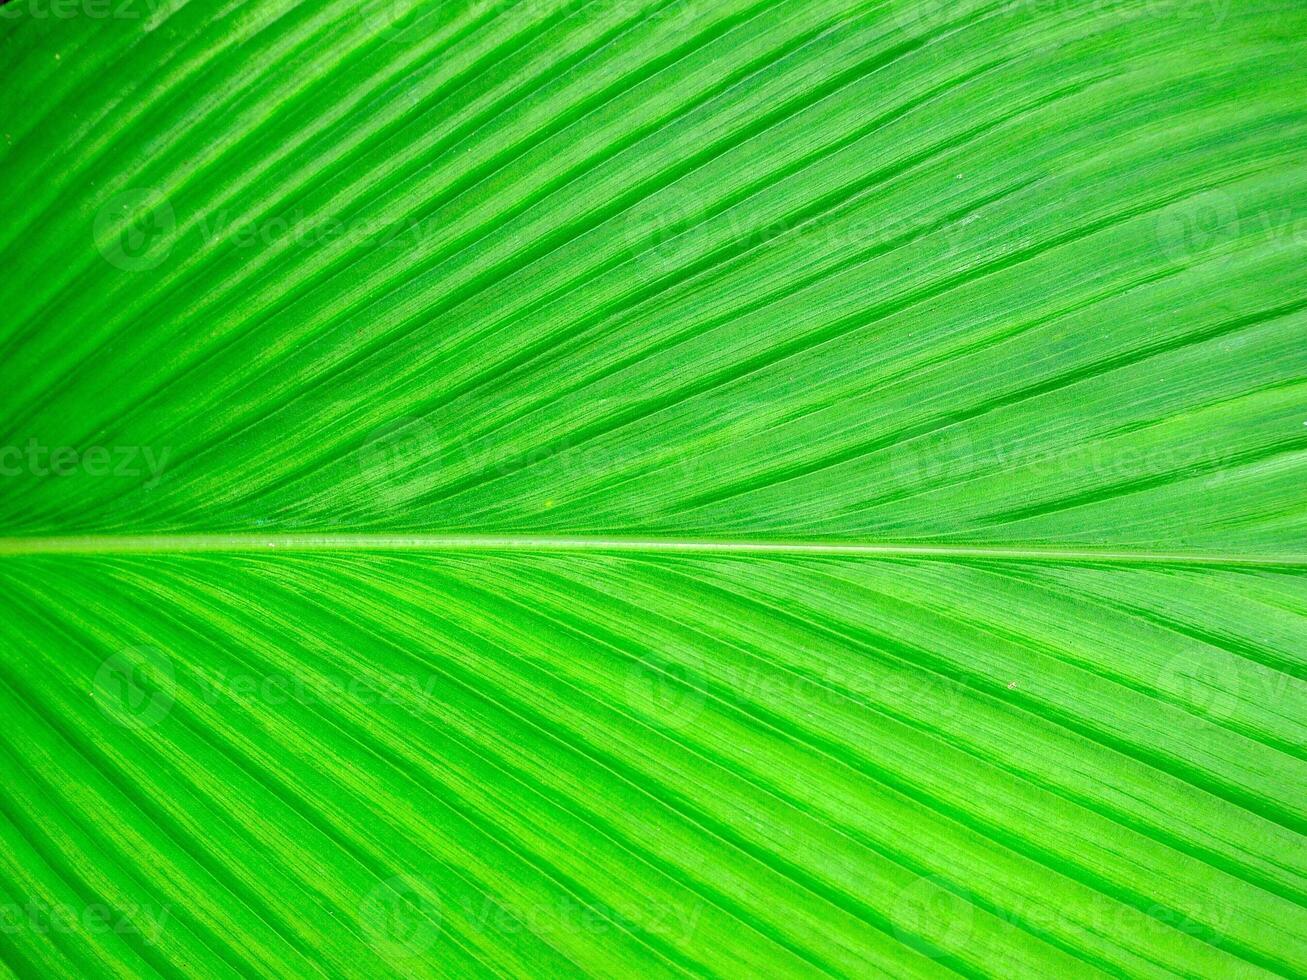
x: 416, y: 541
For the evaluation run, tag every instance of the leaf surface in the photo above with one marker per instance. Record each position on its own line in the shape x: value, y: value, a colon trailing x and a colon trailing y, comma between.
x: 738, y: 488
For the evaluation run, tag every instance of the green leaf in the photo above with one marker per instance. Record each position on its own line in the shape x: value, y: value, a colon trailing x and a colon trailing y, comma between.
x: 641, y: 487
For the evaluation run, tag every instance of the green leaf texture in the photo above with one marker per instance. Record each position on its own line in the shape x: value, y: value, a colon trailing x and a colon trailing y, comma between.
x: 653, y: 487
